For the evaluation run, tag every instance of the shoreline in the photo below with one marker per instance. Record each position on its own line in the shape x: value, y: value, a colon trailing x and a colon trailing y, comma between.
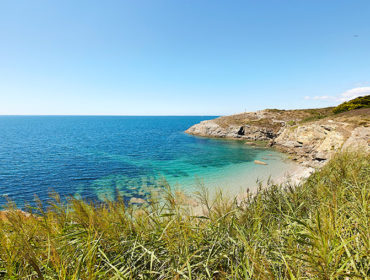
x: 245, y: 178
x: 297, y: 175
x: 235, y: 180
x: 309, y: 136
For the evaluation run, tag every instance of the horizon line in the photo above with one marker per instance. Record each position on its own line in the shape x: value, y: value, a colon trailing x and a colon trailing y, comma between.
x: 61, y: 115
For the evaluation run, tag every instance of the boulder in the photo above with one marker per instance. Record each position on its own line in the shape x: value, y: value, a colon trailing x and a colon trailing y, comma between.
x: 360, y: 137
x: 137, y: 200
x: 5, y: 214
x: 260, y: 162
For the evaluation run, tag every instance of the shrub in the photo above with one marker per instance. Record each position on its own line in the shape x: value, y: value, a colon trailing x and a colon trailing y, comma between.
x: 357, y: 103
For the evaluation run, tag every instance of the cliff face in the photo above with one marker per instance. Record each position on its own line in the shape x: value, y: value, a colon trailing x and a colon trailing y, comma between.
x: 310, y: 136
x: 247, y: 132
x: 261, y: 125
x: 314, y: 143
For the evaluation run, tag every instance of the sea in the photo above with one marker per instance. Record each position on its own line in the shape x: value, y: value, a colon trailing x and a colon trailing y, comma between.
x: 102, y: 158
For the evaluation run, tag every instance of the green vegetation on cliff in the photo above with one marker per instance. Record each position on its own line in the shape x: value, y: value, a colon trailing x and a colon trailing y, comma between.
x: 274, y: 118
x: 316, y: 230
x: 357, y: 103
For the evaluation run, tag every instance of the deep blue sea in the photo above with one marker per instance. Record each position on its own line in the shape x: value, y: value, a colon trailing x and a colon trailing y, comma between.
x: 100, y: 157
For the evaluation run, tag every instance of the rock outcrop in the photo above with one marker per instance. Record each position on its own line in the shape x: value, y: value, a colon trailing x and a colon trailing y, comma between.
x: 5, y: 215
x: 212, y: 129
x: 247, y: 132
x: 257, y: 126
x: 260, y: 162
x: 137, y: 200
x: 315, y: 143
x: 310, y: 136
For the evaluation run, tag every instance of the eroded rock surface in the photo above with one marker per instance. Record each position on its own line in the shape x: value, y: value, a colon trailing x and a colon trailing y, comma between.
x: 313, y: 144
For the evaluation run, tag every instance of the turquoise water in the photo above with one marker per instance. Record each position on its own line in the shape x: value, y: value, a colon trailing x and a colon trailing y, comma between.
x: 102, y: 157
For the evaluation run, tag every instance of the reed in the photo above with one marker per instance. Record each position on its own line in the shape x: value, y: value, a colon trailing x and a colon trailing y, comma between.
x: 318, y: 229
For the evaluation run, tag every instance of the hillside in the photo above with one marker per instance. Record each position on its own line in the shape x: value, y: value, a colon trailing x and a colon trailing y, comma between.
x: 310, y: 136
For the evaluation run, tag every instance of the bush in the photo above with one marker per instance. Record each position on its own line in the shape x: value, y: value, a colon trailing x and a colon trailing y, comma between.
x: 357, y: 103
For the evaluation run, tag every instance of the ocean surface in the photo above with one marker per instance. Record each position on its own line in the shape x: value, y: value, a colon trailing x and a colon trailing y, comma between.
x: 101, y: 157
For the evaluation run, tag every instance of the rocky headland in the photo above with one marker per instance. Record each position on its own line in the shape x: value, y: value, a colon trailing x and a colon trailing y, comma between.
x: 309, y: 136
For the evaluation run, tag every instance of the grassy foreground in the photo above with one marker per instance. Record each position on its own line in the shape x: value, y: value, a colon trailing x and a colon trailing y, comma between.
x: 317, y: 230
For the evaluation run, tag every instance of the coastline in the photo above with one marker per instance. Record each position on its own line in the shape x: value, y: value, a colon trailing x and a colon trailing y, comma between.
x: 236, y: 180
x: 292, y: 177
x: 307, y: 145
x: 309, y: 136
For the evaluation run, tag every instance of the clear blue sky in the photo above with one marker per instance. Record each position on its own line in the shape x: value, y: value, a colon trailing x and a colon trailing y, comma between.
x: 202, y: 57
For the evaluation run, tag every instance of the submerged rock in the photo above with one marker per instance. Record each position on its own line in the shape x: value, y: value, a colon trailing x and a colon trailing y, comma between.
x: 137, y: 200
x: 260, y: 162
x: 250, y: 143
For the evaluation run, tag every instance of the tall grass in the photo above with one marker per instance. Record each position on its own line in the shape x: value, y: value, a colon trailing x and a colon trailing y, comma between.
x: 316, y: 230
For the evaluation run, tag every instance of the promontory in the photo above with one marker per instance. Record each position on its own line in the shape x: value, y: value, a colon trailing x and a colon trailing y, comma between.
x: 310, y: 136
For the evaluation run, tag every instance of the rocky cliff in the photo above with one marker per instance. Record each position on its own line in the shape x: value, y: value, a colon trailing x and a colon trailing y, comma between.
x: 310, y: 136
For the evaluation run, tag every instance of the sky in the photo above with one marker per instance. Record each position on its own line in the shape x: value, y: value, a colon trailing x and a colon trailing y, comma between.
x: 172, y: 57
